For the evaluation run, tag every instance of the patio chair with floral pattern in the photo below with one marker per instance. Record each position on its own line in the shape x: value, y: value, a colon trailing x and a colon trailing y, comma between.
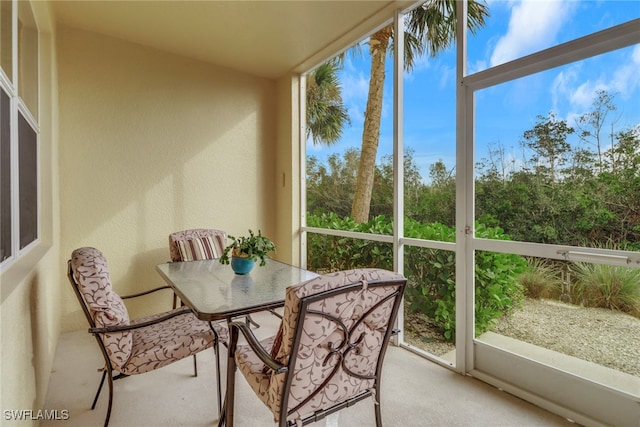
x: 132, y: 347
x: 328, y: 351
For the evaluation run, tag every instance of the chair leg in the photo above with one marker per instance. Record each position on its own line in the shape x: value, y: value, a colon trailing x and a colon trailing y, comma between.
x: 376, y: 406
x: 106, y: 421
x: 223, y: 414
x: 249, y: 321
x: 95, y: 399
x: 275, y: 313
x: 106, y: 372
x: 195, y: 366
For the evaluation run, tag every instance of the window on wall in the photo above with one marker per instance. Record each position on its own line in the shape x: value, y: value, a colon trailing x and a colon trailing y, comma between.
x: 27, y: 58
x: 28, y: 182
x: 5, y: 179
x: 6, y: 36
x: 19, y: 208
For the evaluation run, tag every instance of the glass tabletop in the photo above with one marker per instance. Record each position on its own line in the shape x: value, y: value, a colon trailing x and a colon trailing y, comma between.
x: 213, y: 291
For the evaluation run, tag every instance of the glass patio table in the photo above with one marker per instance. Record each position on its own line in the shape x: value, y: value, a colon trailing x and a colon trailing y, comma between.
x: 214, y: 292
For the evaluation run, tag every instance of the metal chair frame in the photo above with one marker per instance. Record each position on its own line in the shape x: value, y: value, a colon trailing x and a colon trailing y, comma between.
x: 340, y: 351
x: 108, y: 368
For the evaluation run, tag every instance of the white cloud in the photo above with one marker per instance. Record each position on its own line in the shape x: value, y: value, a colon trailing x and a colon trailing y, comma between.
x: 533, y: 26
x: 574, y: 88
x: 355, y: 90
x: 355, y: 87
x: 477, y: 66
x: 626, y: 79
x: 562, y: 85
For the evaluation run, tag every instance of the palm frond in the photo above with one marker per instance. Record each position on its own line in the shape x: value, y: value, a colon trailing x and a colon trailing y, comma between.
x: 326, y: 115
x: 431, y: 27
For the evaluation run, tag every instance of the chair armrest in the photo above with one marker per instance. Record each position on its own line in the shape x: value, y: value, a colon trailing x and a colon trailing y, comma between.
x: 145, y: 292
x: 138, y: 325
x: 263, y: 355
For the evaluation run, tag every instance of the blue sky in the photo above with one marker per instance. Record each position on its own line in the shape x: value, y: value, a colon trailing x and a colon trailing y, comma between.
x: 503, y: 113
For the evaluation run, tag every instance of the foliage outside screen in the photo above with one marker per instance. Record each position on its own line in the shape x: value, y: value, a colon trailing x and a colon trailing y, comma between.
x: 556, y: 193
x: 431, y: 272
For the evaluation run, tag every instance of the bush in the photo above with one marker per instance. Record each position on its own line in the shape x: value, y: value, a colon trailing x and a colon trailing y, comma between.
x: 541, y: 280
x: 430, y: 272
x: 607, y: 286
x: 498, y: 291
x: 333, y: 253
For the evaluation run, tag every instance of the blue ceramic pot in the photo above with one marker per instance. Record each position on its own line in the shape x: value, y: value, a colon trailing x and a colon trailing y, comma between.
x: 241, y: 265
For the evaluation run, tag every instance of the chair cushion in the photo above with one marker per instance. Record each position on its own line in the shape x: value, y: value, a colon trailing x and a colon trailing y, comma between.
x: 316, y: 285
x: 166, y: 342
x: 91, y: 273
x: 204, y: 244
x: 198, y: 248
x: 253, y: 369
x: 314, y: 364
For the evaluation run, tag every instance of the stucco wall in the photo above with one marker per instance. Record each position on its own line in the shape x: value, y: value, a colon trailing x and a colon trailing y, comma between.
x: 30, y: 291
x: 152, y: 143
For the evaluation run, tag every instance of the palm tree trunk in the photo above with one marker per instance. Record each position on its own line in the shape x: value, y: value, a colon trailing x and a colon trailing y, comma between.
x: 378, y: 44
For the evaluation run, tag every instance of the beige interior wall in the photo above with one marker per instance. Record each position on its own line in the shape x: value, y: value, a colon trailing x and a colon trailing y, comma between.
x: 30, y: 291
x: 151, y: 143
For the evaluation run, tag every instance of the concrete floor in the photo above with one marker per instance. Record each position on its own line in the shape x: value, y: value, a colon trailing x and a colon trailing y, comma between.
x: 415, y: 392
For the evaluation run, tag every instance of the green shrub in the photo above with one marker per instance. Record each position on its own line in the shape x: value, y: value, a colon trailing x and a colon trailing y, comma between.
x: 334, y: 253
x: 541, y: 279
x: 607, y: 286
x: 430, y: 272
x: 498, y: 291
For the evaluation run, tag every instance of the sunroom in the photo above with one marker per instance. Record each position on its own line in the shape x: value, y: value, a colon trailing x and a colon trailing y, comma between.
x: 125, y: 121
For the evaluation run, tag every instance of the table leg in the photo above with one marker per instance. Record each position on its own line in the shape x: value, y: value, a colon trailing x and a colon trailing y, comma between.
x: 216, y: 346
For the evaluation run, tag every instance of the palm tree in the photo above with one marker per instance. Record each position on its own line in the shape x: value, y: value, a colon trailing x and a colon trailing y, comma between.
x: 430, y: 28
x: 326, y: 115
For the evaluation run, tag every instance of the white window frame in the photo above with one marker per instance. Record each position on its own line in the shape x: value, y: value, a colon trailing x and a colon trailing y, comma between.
x: 18, y: 107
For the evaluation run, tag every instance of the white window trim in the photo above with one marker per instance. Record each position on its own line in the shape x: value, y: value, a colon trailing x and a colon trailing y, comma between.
x: 18, y: 106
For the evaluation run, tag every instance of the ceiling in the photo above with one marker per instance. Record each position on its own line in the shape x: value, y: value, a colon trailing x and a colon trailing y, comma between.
x: 261, y: 37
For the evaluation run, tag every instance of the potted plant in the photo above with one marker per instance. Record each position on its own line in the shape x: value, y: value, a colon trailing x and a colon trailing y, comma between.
x: 245, y: 250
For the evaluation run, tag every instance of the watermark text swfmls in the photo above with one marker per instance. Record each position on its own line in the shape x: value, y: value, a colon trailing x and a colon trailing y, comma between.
x: 40, y: 414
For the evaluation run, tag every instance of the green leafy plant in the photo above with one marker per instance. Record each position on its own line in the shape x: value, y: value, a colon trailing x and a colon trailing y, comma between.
x: 431, y: 272
x: 334, y: 253
x: 254, y: 247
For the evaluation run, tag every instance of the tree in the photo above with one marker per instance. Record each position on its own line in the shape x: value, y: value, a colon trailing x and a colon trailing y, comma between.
x: 591, y: 123
x: 548, y: 140
x: 330, y: 186
x: 430, y: 28
x: 326, y: 115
